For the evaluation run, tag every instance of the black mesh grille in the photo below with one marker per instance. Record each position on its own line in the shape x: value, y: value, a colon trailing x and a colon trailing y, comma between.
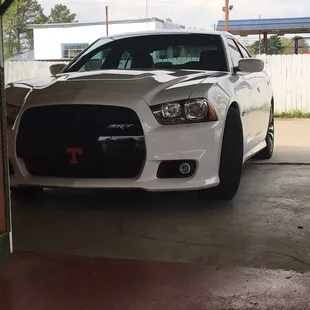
x: 81, y: 141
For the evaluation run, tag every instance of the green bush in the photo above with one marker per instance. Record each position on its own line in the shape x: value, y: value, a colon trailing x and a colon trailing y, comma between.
x: 295, y: 113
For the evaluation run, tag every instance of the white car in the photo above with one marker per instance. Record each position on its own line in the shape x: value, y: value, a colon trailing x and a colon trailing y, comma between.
x: 160, y: 111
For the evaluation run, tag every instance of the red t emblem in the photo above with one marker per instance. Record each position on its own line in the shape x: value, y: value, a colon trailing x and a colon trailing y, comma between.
x: 74, y: 152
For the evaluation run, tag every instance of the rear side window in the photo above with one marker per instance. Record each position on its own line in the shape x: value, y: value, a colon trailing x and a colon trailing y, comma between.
x: 244, y: 51
x: 234, y: 52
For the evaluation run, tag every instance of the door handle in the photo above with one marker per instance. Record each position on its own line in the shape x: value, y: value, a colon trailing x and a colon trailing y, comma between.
x: 258, y: 89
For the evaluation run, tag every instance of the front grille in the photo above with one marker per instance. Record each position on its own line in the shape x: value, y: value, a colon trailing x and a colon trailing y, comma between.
x: 81, y: 141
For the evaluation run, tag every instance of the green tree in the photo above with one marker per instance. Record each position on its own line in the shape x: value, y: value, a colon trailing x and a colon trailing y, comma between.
x: 17, y: 37
x: 289, y: 46
x: 274, y: 46
x: 61, y: 14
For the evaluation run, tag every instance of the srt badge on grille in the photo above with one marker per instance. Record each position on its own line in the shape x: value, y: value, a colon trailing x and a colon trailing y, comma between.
x: 120, y: 126
x: 73, y: 155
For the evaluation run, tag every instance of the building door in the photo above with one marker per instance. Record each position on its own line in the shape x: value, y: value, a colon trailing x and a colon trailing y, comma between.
x: 5, y: 204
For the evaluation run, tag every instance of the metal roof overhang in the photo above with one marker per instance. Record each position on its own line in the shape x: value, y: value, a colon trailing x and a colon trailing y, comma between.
x: 283, y: 31
x: 280, y: 26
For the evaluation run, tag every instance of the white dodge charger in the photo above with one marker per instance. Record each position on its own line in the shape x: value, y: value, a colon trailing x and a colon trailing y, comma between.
x: 160, y: 111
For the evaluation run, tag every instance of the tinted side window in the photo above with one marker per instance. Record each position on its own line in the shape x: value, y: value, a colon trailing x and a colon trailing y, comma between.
x: 234, y: 52
x: 244, y: 51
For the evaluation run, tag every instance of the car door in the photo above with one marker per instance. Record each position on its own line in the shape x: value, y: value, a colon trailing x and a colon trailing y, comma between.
x: 260, y: 109
x: 243, y: 89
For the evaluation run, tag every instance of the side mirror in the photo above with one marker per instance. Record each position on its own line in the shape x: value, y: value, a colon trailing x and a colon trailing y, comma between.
x: 56, y: 68
x: 251, y: 65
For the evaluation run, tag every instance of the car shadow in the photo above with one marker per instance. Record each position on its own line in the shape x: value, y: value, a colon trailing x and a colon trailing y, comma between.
x: 75, y: 200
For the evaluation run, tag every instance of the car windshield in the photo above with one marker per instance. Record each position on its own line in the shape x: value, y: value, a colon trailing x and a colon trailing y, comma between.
x: 165, y: 51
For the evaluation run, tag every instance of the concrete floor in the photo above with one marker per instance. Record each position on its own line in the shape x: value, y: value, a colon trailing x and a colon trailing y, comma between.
x: 265, y: 226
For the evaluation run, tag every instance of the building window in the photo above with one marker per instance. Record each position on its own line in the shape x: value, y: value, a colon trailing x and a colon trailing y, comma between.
x: 70, y: 50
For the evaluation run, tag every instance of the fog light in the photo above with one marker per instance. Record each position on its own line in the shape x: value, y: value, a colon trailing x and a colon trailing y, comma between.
x: 174, y: 169
x: 185, y: 168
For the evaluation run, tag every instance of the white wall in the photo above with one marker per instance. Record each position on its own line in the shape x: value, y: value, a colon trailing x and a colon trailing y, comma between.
x: 47, y: 41
x: 290, y: 77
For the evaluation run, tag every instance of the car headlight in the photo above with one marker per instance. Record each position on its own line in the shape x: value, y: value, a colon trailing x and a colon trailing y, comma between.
x: 11, y: 113
x: 195, y: 110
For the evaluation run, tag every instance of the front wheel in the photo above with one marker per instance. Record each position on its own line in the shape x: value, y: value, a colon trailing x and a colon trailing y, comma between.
x: 231, y: 159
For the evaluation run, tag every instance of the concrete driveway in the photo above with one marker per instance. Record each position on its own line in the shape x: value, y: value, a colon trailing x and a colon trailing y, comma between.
x: 292, y: 142
x: 265, y: 226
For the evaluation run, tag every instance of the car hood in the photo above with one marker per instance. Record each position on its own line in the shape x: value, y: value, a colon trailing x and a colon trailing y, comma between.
x: 154, y: 86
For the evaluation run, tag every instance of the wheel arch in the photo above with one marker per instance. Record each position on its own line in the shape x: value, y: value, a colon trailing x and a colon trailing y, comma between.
x: 234, y: 105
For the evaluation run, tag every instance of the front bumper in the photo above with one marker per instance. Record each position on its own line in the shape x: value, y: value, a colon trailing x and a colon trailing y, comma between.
x: 199, y: 142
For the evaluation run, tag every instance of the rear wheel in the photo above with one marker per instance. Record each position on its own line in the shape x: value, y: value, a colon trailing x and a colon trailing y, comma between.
x: 231, y: 159
x: 267, y: 152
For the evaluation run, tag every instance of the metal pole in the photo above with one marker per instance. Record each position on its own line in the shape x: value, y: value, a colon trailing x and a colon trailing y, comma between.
x: 3, y: 132
x: 226, y: 14
x: 265, y: 42
x: 259, y: 41
x: 146, y: 12
x: 146, y: 9
x: 107, y: 19
x: 296, y: 45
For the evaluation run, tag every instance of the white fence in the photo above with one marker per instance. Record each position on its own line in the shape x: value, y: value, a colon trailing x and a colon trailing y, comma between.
x: 21, y: 70
x: 290, y: 76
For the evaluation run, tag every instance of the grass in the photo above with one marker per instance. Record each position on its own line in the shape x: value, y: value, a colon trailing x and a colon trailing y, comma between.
x: 295, y: 113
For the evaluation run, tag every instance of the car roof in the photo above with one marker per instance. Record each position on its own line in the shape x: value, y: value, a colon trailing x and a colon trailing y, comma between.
x: 163, y: 32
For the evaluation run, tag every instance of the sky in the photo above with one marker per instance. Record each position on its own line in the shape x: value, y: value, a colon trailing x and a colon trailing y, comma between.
x: 190, y: 13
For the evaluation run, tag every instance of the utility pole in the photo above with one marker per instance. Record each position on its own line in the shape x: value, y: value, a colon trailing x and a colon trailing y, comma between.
x: 226, y: 14
x: 227, y: 8
x: 107, y: 19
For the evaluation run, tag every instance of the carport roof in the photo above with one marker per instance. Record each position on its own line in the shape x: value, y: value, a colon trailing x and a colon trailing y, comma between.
x: 124, y: 21
x: 281, y: 26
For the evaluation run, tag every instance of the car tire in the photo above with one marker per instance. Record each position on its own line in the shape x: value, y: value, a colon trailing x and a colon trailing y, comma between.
x: 267, y: 152
x: 231, y: 161
x: 26, y: 191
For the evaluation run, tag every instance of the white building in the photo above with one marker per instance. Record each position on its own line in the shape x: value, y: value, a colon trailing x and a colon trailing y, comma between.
x: 64, y: 41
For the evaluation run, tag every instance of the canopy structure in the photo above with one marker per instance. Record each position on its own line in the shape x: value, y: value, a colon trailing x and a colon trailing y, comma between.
x: 281, y: 26
x: 5, y: 209
x: 265, y: 26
